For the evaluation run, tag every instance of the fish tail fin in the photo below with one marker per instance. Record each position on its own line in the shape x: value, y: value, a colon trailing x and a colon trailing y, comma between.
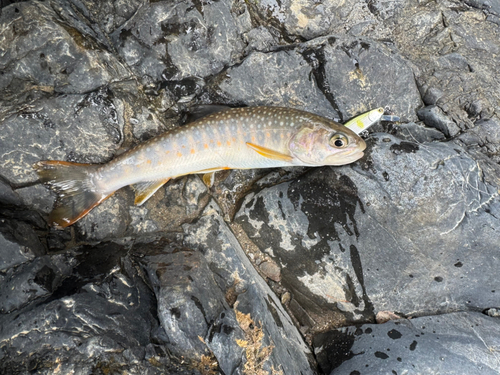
x: 76, y: 192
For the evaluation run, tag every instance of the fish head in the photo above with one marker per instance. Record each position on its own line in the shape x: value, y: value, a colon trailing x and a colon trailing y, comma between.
x: 326, y: 143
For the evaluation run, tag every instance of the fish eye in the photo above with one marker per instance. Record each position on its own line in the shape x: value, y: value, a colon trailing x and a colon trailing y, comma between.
x: 339, y: 141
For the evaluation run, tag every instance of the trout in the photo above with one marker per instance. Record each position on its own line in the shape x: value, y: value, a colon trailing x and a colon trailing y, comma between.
x: 237, y: 138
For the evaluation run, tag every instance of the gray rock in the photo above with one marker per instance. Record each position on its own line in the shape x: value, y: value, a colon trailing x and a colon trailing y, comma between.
x: 50, y: 55
x: 275, y: 79
x: 363, y: 74
x: 434, y: 117
x: 307, y: 20
x: 457, y: 343
x: 457, y: 65
x: 485, y: 137
x: 180, y: 40
x: 420, y: 207
x: 44, y: 132
x: 247, y: 291
x: 418, y: 133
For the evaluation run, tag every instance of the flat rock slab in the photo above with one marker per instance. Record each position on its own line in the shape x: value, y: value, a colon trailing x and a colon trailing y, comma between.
x: 411, y: 229
x: 457, y: 343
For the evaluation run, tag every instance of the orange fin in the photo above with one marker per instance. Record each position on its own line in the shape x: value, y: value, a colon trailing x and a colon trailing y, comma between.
x: 208, y: 179
x: 212, y: 170
x: 63, y: 213
x: 144, y: 190
x: 268, y: 153
x: 76, y: 194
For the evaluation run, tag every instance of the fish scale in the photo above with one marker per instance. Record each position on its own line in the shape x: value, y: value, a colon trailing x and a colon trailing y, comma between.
x: 238, y: 138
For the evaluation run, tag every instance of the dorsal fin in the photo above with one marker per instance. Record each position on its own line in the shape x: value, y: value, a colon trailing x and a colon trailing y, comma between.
x: 202, y: 110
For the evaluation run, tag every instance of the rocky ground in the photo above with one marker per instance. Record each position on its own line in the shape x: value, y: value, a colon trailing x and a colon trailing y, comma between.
x: 386, y: 266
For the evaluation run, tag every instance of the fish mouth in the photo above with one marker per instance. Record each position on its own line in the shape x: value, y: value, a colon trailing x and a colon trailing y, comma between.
x: 346, y: 157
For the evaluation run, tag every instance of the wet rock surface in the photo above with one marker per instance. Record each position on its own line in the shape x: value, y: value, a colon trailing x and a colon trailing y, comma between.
x: 453, y: 343
x: 266, y: 271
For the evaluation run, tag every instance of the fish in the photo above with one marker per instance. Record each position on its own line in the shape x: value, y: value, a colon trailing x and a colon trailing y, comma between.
x: 236, y: 138
x: 362, y: 122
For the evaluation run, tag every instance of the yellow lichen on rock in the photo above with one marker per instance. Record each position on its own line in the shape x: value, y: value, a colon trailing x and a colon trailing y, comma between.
x: 256, y: 354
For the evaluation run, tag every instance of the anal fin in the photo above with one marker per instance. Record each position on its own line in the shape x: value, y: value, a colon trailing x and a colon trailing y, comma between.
x: 268, y: 153
x: 144, y: 190
x: 208, y: 179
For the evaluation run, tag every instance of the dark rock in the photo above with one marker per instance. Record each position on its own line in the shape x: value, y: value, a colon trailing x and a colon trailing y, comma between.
x: 51, y: 56
x: 434, y: 117
x: 18, y: 243
x: 451, y: 344
x: 7, y: 195
x: 103, y: 326
x: 171, y: 41
x: 189, y: 300
x: 43, y: 132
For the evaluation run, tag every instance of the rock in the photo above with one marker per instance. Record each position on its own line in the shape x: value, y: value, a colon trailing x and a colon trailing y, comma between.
x: 494, y: 313
x: 101, y: 325
x: 434, y: 117
x: 484, y: 137
x: 51, y: 56
x: 410, y: 231
x: 385, y: 316
x: 247, y: 292
x: 33, y: 281
x: 323, y: 228
x: 419, y: 133
x: 7, y: 195
x: 18, y: 243
x: 446, y: 344
x: 307, y: 20
x: 274, y: 79
x: 189, y: 299
x: 363, y: 74
x: 174, y: 41
x: 43, y: 132
x: 458, y: 61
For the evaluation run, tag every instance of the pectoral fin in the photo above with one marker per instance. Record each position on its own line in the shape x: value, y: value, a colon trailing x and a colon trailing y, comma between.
x: 268, y: 153
x: 144, y: 190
